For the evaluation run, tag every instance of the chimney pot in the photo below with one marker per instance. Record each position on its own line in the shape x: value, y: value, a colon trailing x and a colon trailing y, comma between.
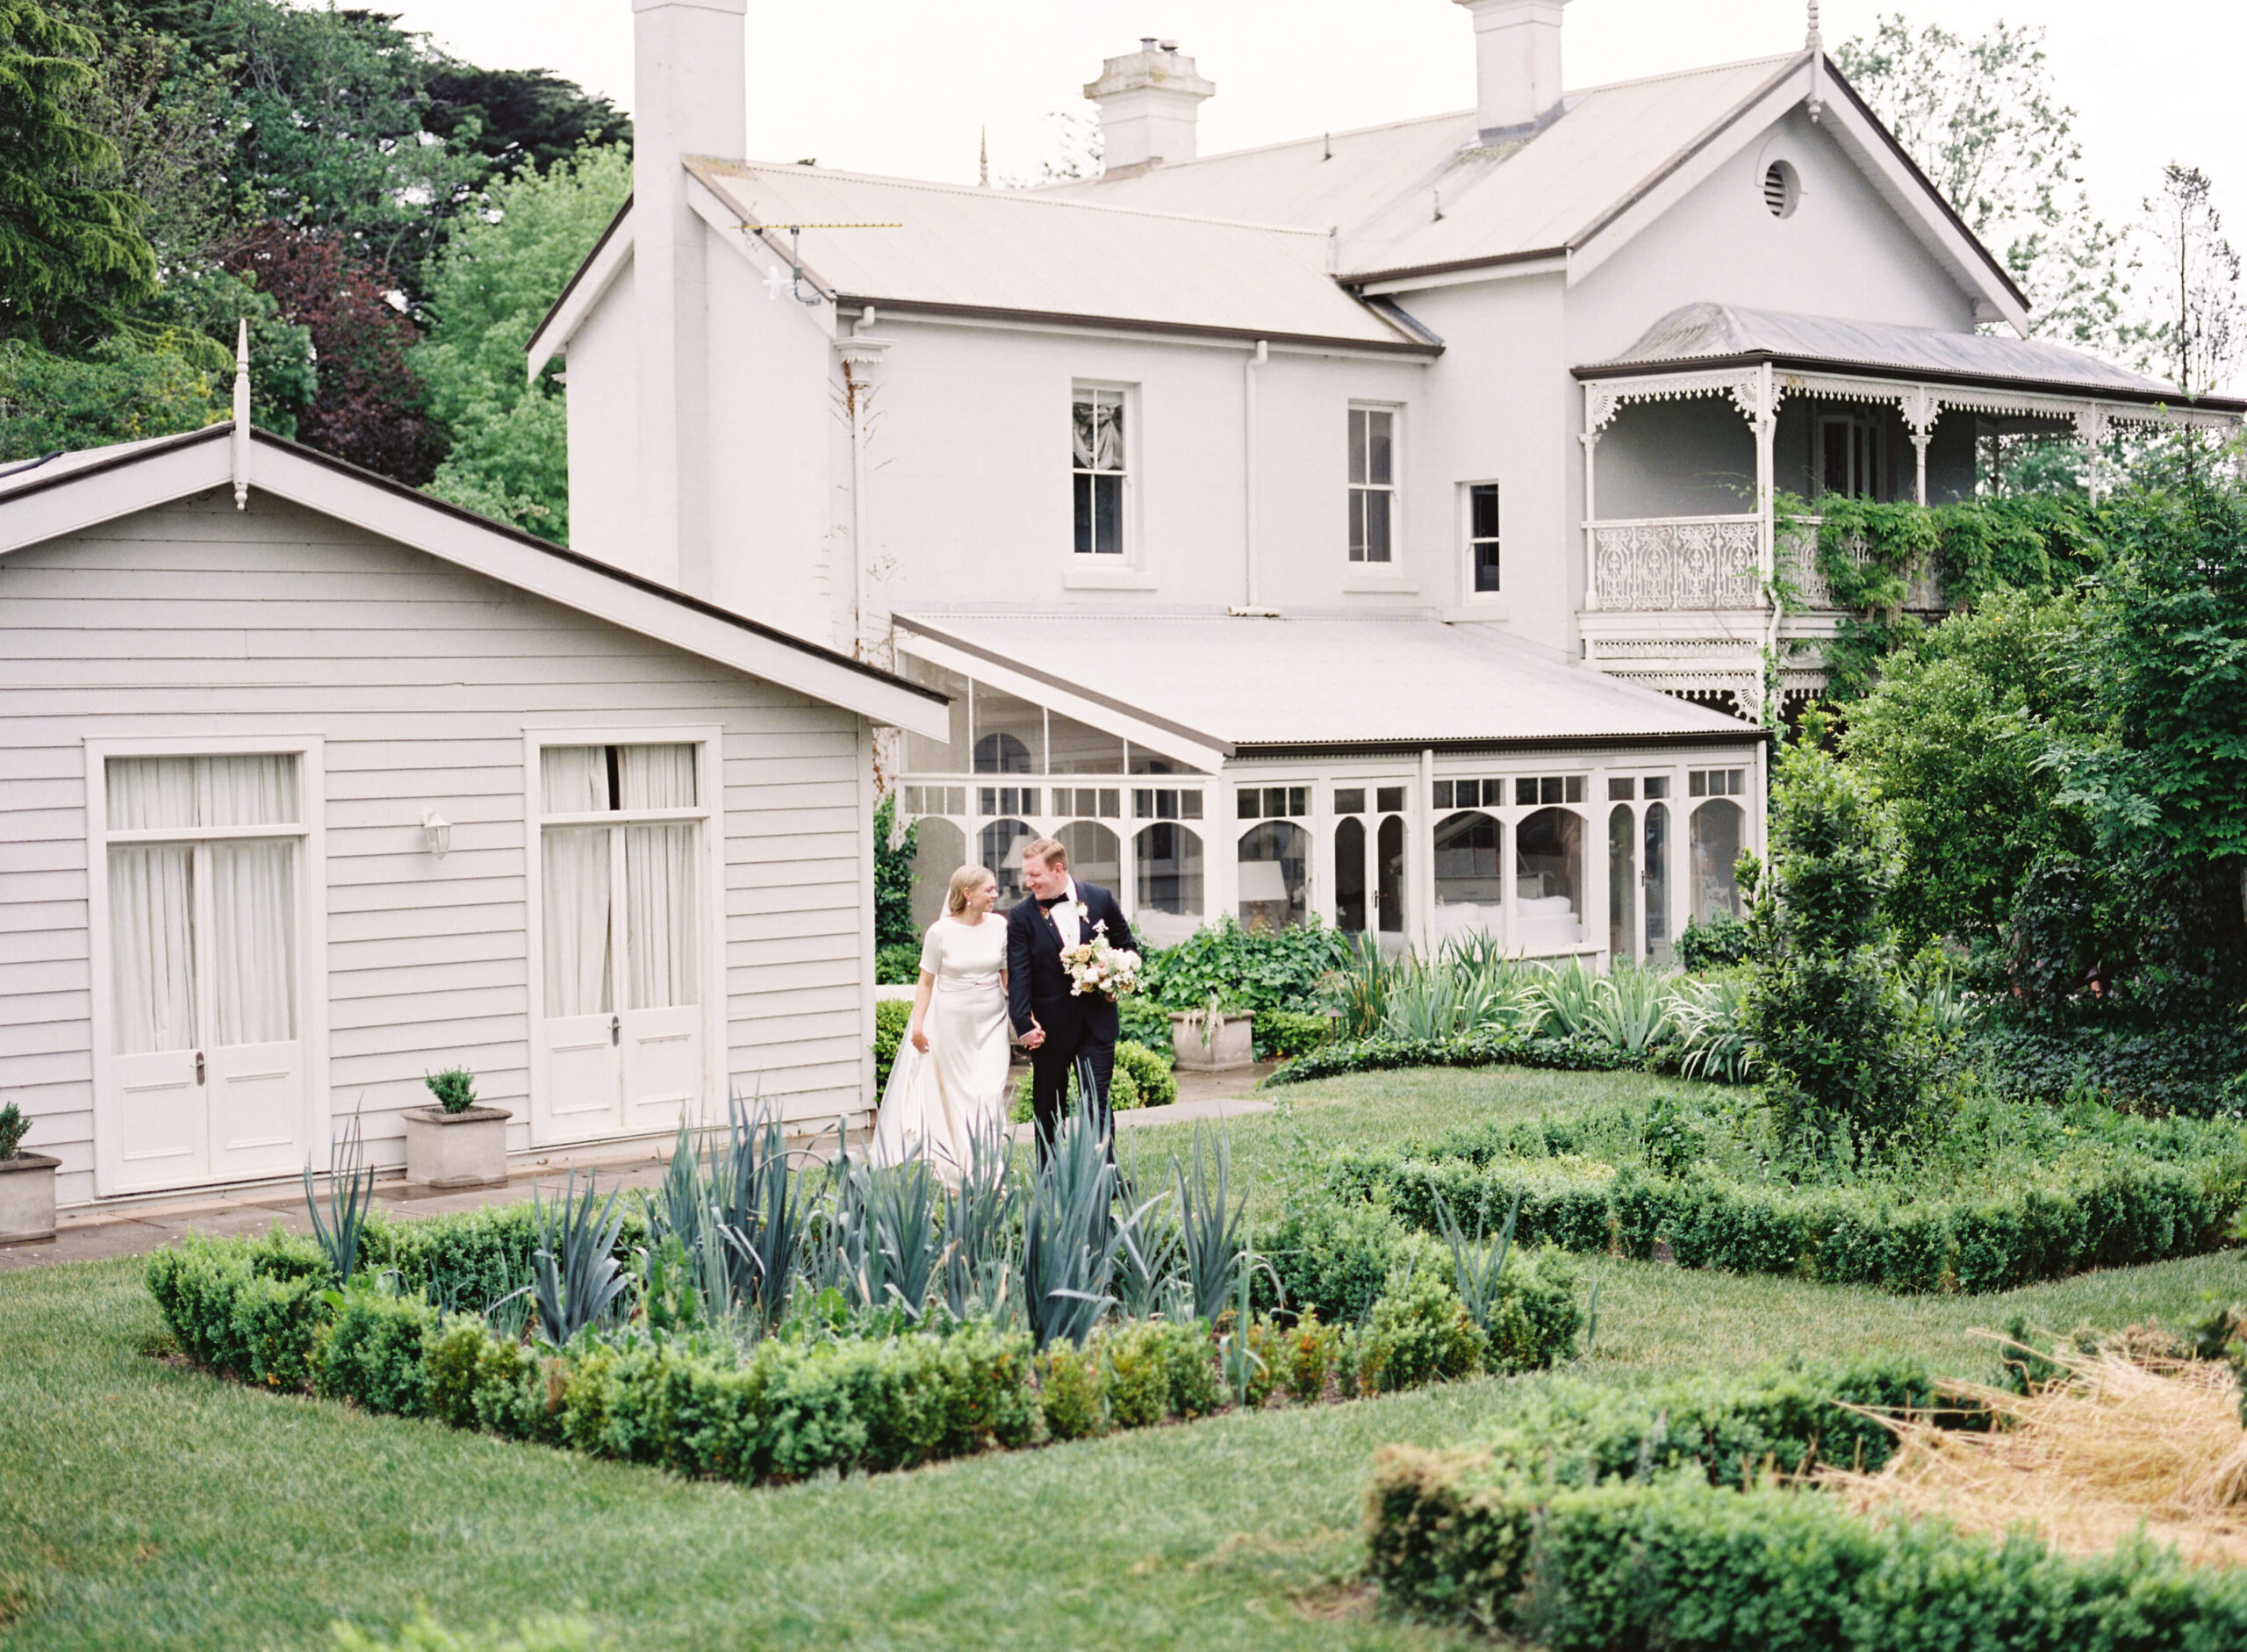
x: 1148, y: 100
x: 1517, y: 65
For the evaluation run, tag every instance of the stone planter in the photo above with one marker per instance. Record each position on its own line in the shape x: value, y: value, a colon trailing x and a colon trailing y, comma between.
x: 467, y: 1149
x: 27, y: 1197
x: 1234, y: 1047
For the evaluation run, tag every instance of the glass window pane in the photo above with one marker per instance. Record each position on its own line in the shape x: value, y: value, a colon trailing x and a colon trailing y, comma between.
x: 252, y: 942
x: 1080, y: 435
x: 1083, y: 514
x: 1298, y: 799
x: 1658, y: 786
x: 1350, y: 876
x: 1622, y: 788
x: 1274, y: 866
x: 574, y: 910
x: 1622, y: 884
x: 1487, y: 574
x: 1251, y: 803
x: 1077, y: 748
x: 1189, y: 806
x: 1095, y: 854
x: 1167, y: 866
x: 1108, y: 515
x: 655, y: 777
x: 1357, y: 525
x: 1389, y: 799
x: 1548, y: 881
x: 999, y: 846
x: 1716, y: 839
x: 660, y: 931
x: 1482, y: 501
x: 1445, y: 791
x: 1350, y: 799
x: 152, y: 947
x: 575, y: 780
x: 1377, y: 527
x: 922, y: 755
x: 150, y: 794
x: 1380, y: 441
x: 1010, y: 734
x: 1389, y: 854
x: 1357, y: 444
x: 1524, y: 791
x: 1655, y: 879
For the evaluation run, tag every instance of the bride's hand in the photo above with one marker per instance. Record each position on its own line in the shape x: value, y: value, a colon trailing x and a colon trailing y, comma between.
x: 921, y: 1041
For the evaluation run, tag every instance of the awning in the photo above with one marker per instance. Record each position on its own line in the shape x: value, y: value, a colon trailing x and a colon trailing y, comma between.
x: 1233, y: 685
x: 1717, y: 335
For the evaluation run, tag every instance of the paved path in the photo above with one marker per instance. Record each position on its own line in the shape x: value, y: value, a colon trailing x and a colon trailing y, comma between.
x: 88, y: 1236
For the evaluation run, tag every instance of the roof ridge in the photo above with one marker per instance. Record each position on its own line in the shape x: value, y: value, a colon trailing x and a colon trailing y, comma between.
x: 1025, y: 197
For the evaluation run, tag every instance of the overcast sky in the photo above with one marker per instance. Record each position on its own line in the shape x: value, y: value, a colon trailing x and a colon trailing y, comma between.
x: 903, y: 86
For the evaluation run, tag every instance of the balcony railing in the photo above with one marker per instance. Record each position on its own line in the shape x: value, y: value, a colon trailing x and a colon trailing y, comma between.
x: 1707, y: 563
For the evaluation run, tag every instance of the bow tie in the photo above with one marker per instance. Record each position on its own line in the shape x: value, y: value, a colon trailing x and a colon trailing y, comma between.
x: 1045, y: 905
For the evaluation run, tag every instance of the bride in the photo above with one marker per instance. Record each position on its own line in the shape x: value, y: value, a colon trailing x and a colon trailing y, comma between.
x: 950, y: 1081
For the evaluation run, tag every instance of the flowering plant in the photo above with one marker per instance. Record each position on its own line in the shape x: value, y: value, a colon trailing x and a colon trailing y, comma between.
x: 1094, y: 967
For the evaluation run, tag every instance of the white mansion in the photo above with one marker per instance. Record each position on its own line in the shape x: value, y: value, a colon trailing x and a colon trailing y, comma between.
x: 1376, y: 527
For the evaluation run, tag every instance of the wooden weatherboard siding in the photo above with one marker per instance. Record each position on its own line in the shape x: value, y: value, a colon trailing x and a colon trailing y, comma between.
x: 197, y: 620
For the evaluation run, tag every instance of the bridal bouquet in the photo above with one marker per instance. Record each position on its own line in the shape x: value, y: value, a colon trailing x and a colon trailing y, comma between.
x: 1094, y: 967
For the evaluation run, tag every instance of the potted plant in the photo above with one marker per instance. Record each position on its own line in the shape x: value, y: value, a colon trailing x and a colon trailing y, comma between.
x: 455, y: 1144
x: 1214, y: 1038
x: 26, y: 1183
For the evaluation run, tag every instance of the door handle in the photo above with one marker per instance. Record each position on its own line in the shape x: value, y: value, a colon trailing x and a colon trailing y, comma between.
x: 198, y: 1067
x: 615, y: 1029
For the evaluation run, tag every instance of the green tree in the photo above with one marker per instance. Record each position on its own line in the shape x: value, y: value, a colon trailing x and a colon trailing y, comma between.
x: 122, y: 390
x: 893, y: 876
x: 2200, y: 330
x: 72, y: 253
x: 1980, y: 117
x: 1823, y: 1010
x: 1951, y: 743
x: 493, y: 282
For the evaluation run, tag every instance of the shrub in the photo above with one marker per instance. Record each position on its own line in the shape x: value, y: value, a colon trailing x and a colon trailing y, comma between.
x: 1306, y: 1358
x: 893, y: 854
x: 1124, y: 1092
x: 1069, y: 1390
x: 1382, y: 1052
x: 1824, y: 1011
x: 1141, y: 1021
x: 1690, y: 1565
x: 1252, y: 969
x: 375, y: 1351
x: 13, y: 1126
x: 1149, y: 1070
x: 892, y: 1016
x: 897, y: 964
x: 2176, y: 1069
x: 1419, y: 1333
x: 455, y: 1088
x: 1285, y: 1034
x: 1334, y: 1256
x: 1719, y: 943
x: 1154, y: 1369
x: 202, y: 1289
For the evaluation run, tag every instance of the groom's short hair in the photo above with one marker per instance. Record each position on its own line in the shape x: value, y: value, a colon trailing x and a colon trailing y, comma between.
x: 1048, y: 849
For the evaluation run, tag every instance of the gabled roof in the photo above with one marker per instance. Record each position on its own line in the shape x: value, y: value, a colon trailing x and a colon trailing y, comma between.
x: 1396, y: 684
x: 1552, y: 194
x: 951, y: 248
x: 69, y: 493
x: 1704, y: 335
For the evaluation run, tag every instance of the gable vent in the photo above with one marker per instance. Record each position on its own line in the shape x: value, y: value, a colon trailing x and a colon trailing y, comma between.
x: 1781, y: 189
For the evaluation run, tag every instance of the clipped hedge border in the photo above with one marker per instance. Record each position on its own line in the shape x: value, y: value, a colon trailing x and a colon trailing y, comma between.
x: 1690, y: 1567
x: 2122, y: 1213
x: 1381, y: 1054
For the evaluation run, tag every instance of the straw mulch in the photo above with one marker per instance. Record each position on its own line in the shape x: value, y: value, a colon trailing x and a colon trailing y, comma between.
x: 2127, y: 1441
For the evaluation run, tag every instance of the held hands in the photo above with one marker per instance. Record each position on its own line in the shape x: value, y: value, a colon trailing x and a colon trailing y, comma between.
x: 1035, y: 1037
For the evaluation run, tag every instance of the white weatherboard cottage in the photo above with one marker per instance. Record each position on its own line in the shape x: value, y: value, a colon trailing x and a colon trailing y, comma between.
x: 1376, y: 527
x: 313, y: 786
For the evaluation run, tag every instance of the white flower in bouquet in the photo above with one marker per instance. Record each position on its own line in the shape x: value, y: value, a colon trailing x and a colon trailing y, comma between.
x: 1096, y: 966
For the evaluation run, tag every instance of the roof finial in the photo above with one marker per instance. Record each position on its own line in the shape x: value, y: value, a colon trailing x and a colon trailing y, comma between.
x: 240, y: 438
x: 983, y: 162
x: 1817, y: 41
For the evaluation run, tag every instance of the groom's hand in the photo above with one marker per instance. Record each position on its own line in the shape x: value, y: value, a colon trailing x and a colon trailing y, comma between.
x: 1035, y: 1037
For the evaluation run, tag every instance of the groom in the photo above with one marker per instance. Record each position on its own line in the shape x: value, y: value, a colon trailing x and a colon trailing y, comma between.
x: 1055, y: 1026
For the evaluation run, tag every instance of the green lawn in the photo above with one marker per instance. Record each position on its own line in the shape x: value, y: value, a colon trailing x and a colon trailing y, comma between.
x: 142, y: 1505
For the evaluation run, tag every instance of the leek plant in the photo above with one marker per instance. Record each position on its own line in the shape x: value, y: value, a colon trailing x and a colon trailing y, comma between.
x: 1213, y: 1243
x: 1707, y: 1016
x: 981, y: 1260
x: 1565, y: 1000
x: 1071, y: 1235
x: 902, y: 1208
x: 350, y: 1196
x: 1630, y: 1008
x: 1478, y: 1270
x: 575, y: 1275
x: 1361, y: 990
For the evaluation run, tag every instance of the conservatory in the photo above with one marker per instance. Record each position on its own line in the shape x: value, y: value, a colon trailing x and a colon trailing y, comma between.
x: 1450, y: 783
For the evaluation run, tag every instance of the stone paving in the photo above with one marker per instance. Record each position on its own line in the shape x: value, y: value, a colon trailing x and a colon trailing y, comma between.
x: 85, y: 1236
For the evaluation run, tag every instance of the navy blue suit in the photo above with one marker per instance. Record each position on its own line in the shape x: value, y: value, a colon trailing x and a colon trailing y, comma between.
x: 1037, y: 989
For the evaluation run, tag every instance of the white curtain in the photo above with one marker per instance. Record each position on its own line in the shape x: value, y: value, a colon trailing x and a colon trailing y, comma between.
x: 250, y: 885
x: 574, y: 780
x: 576, y: 908
x: 253, y: 941
x: 659, y: 883
x: 152, y: 947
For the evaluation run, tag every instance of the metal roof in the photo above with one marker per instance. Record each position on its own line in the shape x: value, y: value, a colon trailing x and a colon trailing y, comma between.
x: 1378, y: 185
x: 1236, y: 683
x: 1718, y: 334
x: 1007, y: 252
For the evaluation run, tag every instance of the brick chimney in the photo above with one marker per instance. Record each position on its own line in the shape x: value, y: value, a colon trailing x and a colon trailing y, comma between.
x: 690, y: 96
x: 1517, y: 65
x: 1147, y: 99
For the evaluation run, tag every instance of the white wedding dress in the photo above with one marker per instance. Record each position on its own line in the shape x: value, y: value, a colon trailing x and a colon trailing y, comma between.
x: 935, y: 1104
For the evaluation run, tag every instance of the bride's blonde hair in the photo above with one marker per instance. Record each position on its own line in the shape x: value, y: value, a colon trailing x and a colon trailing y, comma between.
x: 963, y: 881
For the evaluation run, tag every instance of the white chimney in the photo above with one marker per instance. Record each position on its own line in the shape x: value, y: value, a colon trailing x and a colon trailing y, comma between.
x: 1147, y: 99
x: 1517, y: 65
x: 689, y: 98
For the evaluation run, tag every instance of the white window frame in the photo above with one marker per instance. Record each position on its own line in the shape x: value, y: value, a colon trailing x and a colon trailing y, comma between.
x: 1125, y: 559
x: 708, y: 741
x: 1874, y: 452
x: 1468, y: 596
x: 312, y: 917
x: 1364, y: 568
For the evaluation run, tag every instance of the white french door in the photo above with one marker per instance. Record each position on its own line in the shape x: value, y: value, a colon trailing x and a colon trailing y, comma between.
x: 205, y: 1076
x: 622, y: 1030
